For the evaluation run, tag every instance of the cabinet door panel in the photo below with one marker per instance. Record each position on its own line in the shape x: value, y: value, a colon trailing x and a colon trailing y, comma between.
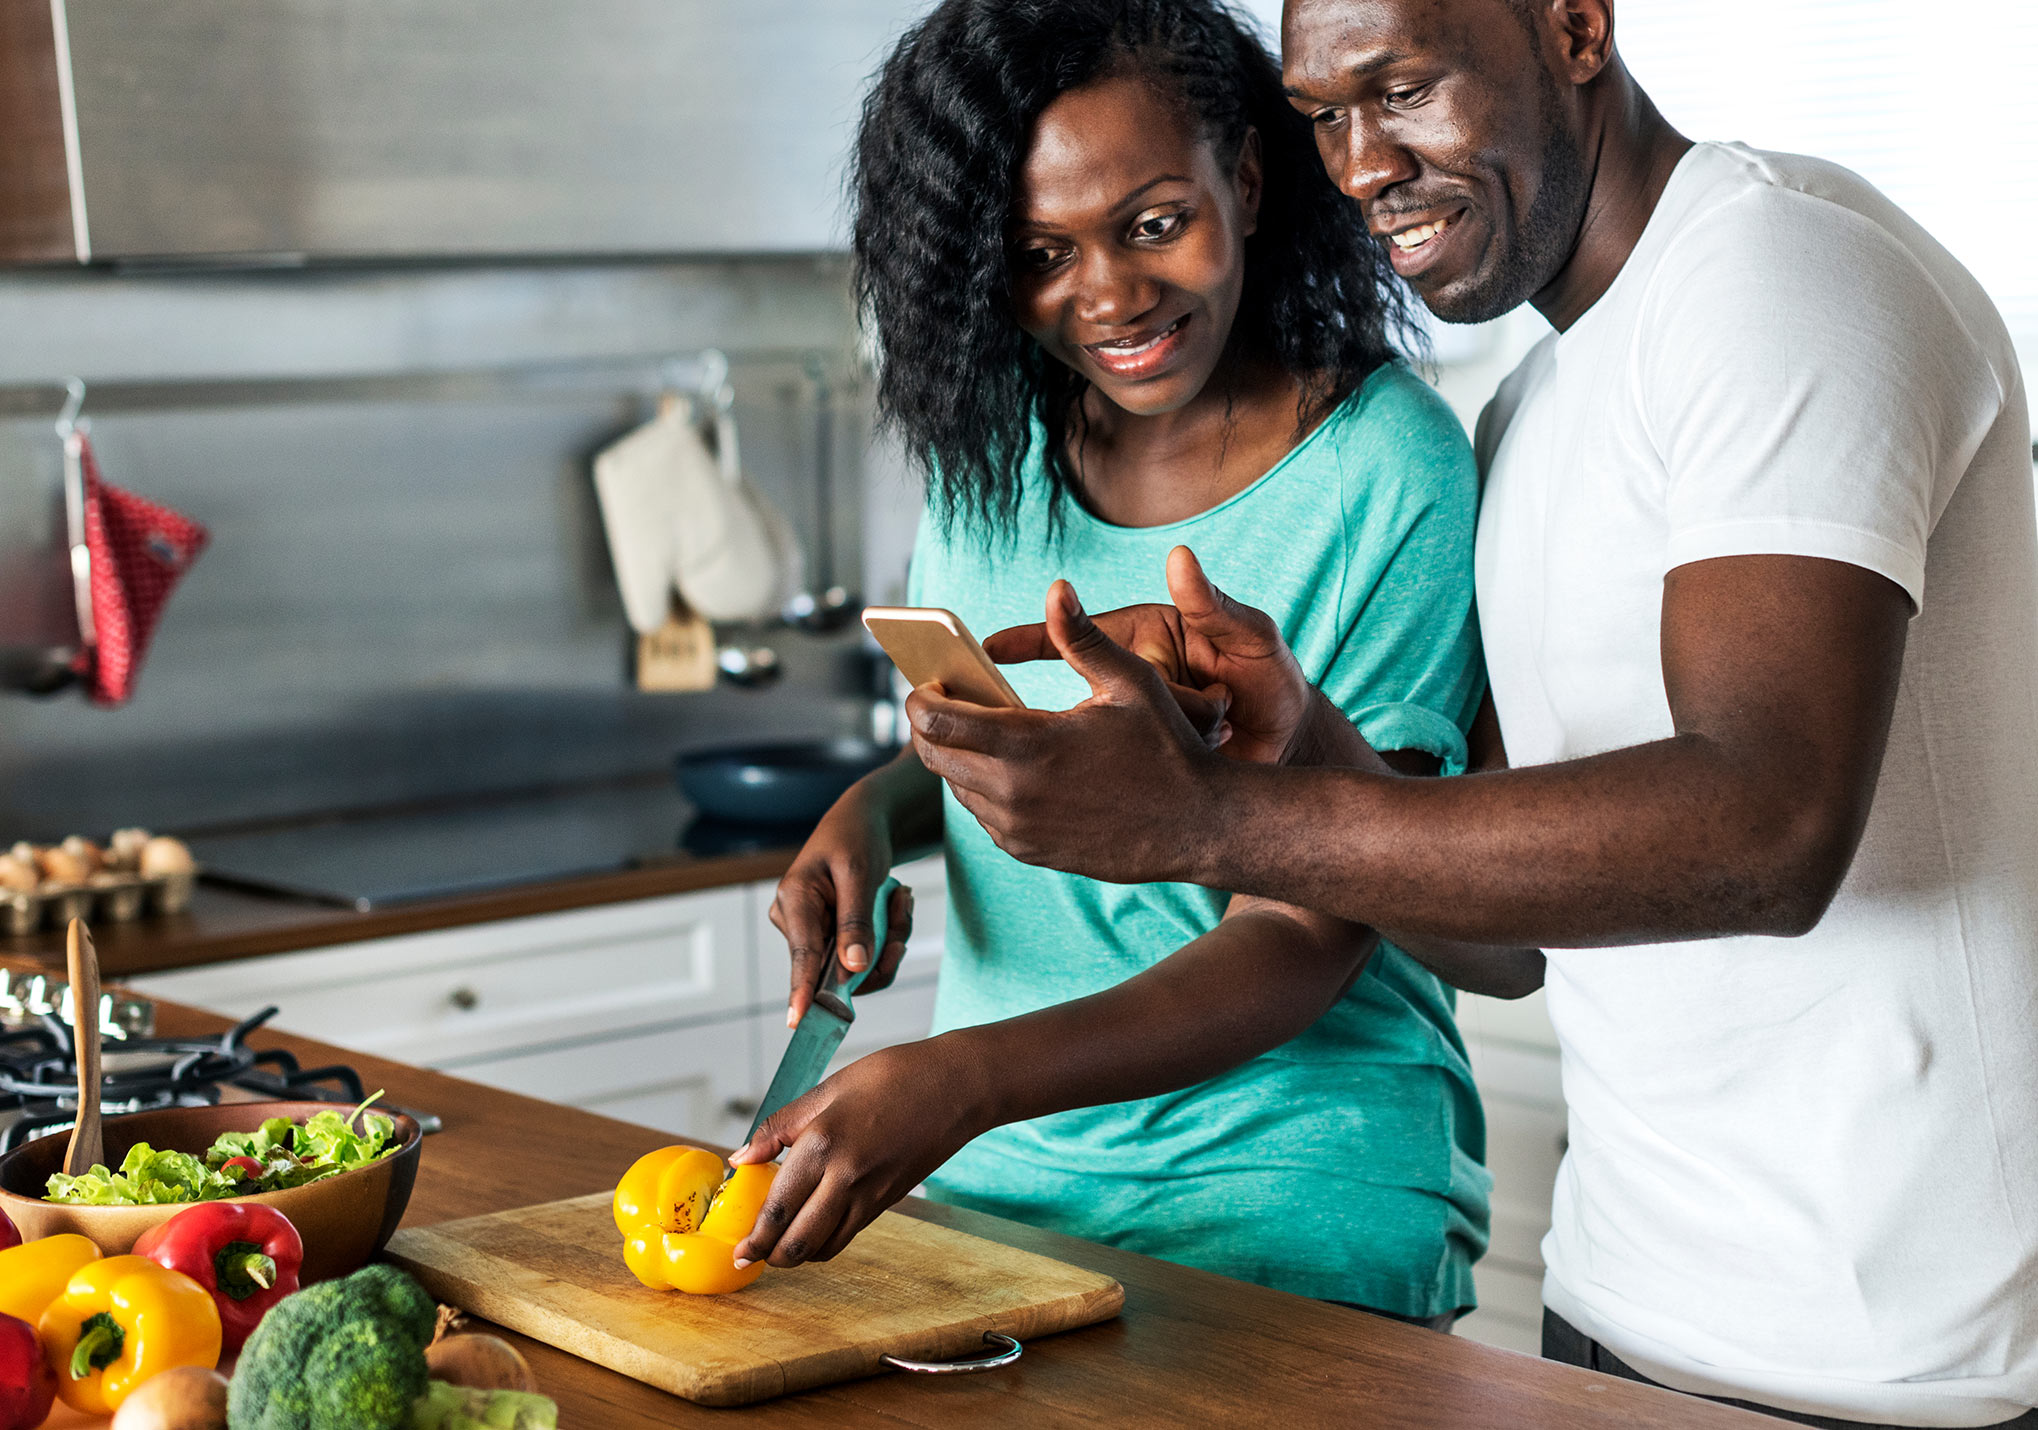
x: 680, y: 1080
x: 490, y: 988
x: 927, y: 878
x: 899, y: 1014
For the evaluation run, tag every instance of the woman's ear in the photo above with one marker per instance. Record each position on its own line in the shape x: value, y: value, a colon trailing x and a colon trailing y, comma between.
x: 1250, y: 179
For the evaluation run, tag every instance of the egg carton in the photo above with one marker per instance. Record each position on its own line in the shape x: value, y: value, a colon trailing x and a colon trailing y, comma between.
x: 112, y: 898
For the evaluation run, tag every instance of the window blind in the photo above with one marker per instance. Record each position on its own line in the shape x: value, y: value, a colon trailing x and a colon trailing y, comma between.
x: 1937, y: 106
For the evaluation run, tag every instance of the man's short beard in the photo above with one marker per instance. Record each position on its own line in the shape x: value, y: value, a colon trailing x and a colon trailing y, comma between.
x: 1541, y: 243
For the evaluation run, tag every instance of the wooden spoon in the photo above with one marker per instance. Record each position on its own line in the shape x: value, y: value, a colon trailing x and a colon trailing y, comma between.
x: 87, y: 1147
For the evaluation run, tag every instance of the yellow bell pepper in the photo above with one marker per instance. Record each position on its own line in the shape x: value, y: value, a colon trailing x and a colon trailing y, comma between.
x: 35, y: 1273
x: 122, y: 1321
x: 681, y: 1220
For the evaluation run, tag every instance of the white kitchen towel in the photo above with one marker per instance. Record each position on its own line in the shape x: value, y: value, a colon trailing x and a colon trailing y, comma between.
x: 633, y: 481
x: 673, y: 519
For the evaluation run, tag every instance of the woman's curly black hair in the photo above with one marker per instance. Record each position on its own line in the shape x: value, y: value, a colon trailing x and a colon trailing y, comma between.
x: 944, y: 132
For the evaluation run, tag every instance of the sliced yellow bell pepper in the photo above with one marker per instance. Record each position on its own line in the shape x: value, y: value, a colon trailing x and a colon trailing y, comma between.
x: 681, y: 1221
x: 35, y: 1273
x: 120, y: 1322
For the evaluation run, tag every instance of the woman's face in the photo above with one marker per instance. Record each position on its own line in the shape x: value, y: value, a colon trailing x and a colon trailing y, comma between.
x: 1128, y: 243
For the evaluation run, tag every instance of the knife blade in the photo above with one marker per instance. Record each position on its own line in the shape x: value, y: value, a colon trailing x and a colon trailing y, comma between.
x: 826, y: 1022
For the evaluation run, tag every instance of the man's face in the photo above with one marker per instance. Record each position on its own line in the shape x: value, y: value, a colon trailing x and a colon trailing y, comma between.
x: 1443, y: 119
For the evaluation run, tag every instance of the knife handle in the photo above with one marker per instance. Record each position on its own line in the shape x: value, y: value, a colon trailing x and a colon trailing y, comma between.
x: 840, y: 981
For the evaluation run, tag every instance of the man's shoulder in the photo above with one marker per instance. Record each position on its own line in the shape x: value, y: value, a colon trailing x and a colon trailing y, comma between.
x: 1789, y: 227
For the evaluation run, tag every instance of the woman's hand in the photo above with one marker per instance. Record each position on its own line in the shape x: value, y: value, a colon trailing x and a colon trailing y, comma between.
x: 825, y: 901
x: 1230, y: 654
x: 859, y: 1142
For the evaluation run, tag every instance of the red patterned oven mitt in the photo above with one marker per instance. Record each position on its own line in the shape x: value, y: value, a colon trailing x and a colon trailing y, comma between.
x: 140, y: 551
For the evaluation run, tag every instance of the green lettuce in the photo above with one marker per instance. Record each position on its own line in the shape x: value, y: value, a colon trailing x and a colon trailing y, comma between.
x: 291, y: 1154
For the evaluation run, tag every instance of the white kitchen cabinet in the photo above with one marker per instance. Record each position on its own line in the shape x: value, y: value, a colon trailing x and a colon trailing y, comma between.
x: 1514, y: 1061
x: 468, y: 993
x: 668, y: 1011
x: 691, y: 1081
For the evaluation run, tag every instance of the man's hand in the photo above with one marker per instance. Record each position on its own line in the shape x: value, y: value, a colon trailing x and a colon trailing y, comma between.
x: 1205, y: 642
x: 860, y: 1141
x: 1116, y: 788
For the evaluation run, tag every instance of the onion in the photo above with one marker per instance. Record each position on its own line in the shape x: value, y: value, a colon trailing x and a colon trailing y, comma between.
x: 479, y: 1362
x: 191, y: 1397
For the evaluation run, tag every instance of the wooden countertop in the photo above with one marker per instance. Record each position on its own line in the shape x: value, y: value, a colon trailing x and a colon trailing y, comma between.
x: 224, y: 923
x: 1191, y: 1347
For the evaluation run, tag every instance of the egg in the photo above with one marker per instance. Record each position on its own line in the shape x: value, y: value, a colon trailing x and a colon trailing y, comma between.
x: 164, y: 855
x: 85, y: 851
x: 18, y: 877
x: 61, y: 866
x: 124, y: 851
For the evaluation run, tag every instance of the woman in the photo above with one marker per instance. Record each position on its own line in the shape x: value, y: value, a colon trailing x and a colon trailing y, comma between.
x: 1120, y: 308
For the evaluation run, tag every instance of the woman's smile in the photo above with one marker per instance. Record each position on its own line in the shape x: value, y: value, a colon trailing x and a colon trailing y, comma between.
x: 1144, y: 354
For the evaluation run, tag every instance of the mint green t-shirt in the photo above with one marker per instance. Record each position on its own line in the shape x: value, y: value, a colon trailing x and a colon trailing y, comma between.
x: 1345, y: 1164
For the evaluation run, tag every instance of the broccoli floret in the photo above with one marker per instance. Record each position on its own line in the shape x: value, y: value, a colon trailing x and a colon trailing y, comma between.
x: 455, y: 1407
x: 341, y: 1355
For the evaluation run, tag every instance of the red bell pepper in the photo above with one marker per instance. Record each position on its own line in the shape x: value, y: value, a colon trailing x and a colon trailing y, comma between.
x: 246, y: 1254
x: 9, y: 1236
x: 28, y: 1387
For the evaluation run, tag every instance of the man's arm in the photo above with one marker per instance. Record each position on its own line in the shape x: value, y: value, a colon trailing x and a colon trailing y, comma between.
x: 871, y: 1133
x: 1496, y: 971
x: 1781, y: 674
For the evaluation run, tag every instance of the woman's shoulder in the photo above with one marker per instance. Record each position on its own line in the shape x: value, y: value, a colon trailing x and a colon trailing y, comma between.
x: 1395, y: 412
x: 1395, y: 436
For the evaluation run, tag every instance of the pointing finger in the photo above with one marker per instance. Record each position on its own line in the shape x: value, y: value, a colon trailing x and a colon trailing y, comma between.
x: 1110, y: 668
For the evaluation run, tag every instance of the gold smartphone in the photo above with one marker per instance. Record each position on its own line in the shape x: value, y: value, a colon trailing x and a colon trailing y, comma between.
x: 930, y: 645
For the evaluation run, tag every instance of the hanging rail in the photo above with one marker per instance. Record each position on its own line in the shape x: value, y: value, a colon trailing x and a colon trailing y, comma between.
x: 704, y: 372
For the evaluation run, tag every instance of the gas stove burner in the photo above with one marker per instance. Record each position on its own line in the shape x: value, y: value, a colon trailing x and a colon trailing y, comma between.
x: 38, y: 1076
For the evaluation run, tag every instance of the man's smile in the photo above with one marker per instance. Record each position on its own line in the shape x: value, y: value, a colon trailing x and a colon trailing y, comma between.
x: 1416, y: 241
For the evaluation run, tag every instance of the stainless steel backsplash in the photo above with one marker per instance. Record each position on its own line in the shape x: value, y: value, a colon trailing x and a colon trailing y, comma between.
x: 408, y: 594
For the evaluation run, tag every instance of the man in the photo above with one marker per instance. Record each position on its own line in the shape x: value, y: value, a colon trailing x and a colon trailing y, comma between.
x: 1759, y: 593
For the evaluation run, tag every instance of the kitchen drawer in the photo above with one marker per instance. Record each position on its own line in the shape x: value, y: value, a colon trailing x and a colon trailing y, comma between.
x: 485, y: 989
x: 1510, y: 1313
x: 689, y: 1081
x: 927, y: 878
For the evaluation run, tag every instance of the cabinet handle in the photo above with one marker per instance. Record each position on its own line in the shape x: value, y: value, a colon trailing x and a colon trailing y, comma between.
x: 465, y: 999
x: 741, y: 1107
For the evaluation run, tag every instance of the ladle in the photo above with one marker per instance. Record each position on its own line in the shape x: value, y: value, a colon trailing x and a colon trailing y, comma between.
x: 832, y: 606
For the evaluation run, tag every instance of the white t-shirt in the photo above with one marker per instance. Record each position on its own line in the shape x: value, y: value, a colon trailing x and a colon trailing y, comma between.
x: 1801, y: 1171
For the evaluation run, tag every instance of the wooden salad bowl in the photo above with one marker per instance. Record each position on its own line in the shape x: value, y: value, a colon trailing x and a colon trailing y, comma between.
x: 344, y: 1219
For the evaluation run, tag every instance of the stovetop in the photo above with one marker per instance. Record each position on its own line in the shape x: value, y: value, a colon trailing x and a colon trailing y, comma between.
x: 372, y: 861
x: 38, y: 1076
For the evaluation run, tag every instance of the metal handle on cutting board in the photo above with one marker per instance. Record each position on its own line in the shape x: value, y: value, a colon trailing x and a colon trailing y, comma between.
x: 1006, y: 1350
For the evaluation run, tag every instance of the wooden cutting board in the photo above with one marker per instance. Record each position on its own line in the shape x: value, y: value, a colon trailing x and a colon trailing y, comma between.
x: 904, y: 1287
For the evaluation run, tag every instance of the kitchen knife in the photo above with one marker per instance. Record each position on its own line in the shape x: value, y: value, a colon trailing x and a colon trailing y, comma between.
x: 826, y: 1022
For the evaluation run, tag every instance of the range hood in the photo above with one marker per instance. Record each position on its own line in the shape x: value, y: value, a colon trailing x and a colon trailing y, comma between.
x: 252, y: 130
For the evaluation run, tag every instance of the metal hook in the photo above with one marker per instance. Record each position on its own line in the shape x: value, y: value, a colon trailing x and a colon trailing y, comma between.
x: 74, y: 403
x: 715, y: 384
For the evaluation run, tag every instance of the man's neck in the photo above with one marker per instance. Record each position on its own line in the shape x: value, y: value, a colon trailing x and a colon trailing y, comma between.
x: 1631, y: 151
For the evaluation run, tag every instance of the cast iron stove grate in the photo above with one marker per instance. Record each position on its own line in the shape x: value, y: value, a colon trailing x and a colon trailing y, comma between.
x: 38, y: 1076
